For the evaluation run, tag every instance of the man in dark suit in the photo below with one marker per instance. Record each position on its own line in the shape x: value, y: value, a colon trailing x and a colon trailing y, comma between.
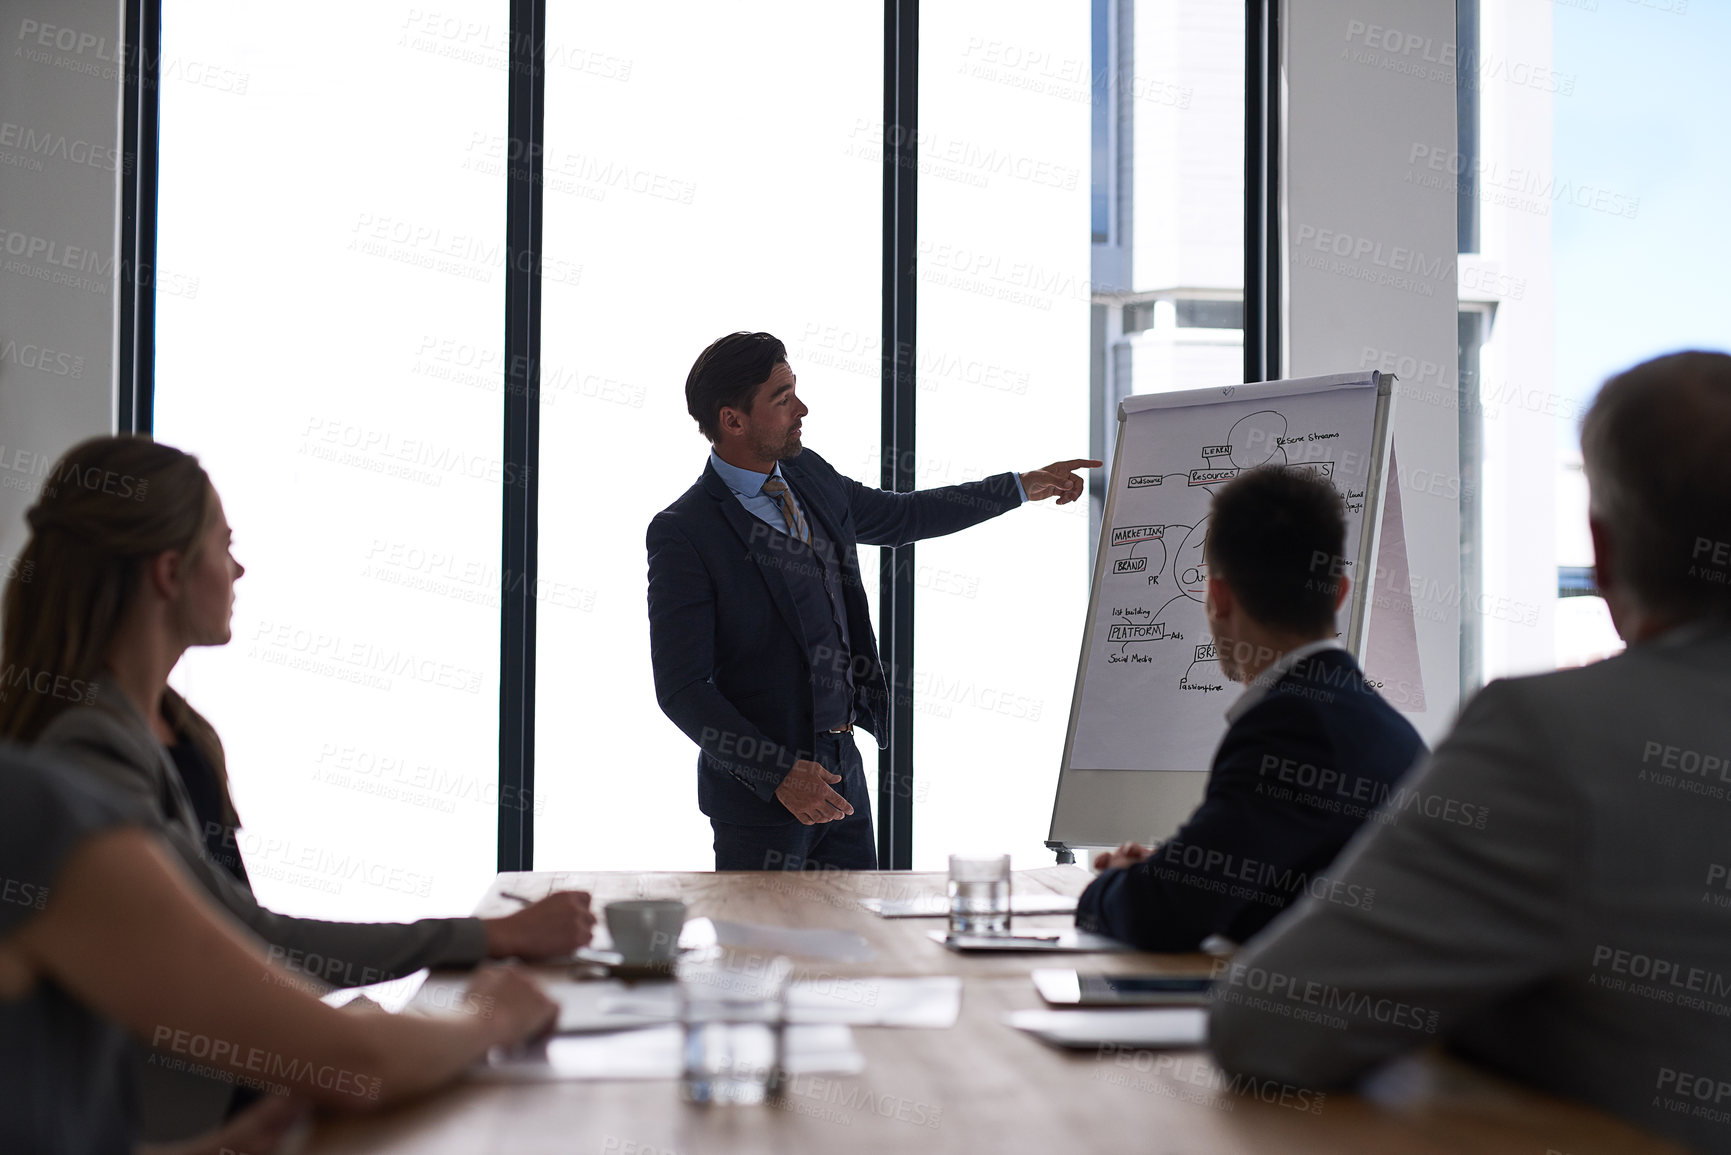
x: 760, y: 635
x: 1311, y: 750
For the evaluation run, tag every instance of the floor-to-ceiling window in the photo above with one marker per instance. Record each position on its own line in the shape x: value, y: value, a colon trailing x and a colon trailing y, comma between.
x: 335, y: 210
x: 1586, y: 167
x: 329, y: 347
x: 709, y: 168
x: 1081, y: 239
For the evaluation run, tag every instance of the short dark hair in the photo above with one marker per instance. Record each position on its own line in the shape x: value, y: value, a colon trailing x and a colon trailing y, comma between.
x: 1277, y: 536
x: 1656, y: 447
x: 728, y: 373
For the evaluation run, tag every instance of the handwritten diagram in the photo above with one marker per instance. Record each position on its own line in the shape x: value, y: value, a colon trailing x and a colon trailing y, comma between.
x: 1157, y: 575
x: 1151, y: 694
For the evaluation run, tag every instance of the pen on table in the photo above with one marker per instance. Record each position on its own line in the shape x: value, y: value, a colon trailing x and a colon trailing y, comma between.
x: 522, y: 898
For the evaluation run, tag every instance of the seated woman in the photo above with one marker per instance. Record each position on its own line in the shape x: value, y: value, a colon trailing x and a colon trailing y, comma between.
x: 127, y: 566
x: 105, y: 934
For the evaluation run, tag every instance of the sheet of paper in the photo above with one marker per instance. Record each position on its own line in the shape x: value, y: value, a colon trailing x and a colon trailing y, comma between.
x: 938, y: 905
x: 1144, y: 1027
x: 1061, y: 942
x: 932, y: 1002
x: 611, y: 1005
x: 654, y: 1053
x: 393, y: 995
x: 1151, y: 693
x: 835, y: 945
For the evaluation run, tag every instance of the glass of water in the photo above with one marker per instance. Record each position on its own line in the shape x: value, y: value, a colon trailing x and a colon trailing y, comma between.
x: 735, y: 1022
x: 980, y: 894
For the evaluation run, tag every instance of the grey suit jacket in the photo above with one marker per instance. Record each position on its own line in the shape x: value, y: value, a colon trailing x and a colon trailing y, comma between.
x: 111, y: 740
x: 1551, y: 900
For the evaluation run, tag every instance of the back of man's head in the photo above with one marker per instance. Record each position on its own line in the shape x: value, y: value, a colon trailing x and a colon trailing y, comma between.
x: 1656, y: 446
x: 728, y: 374
x: 1276, y: 536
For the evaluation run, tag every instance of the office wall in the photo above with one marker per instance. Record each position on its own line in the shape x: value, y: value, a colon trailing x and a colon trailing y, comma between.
x: 1371, y: 279
x: 60, y: 72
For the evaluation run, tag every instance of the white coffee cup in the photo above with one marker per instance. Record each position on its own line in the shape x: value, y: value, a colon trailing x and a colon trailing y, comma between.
x: 646, y: 930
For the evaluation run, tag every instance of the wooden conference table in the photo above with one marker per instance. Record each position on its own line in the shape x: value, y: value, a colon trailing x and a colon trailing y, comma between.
x: 977, y: 1087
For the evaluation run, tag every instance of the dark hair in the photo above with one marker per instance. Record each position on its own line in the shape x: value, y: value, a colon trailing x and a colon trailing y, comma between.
x: 1277, y: 536
x: 728, y: 373
x: 1656, y: 448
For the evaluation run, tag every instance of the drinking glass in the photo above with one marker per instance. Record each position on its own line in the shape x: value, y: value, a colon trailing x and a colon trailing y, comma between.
x: 980, y: 894
x: 735, y: 1021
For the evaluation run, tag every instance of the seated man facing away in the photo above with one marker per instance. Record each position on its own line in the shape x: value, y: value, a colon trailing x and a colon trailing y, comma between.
x: 1580, y: 940
x: 1311, y: 749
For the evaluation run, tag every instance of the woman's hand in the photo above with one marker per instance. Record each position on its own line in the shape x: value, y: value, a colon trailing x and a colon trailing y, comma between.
x: 511, y: 1003
x: 551, y: 928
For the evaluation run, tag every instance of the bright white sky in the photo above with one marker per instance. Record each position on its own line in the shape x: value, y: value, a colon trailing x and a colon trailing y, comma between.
x: 1646, y: 120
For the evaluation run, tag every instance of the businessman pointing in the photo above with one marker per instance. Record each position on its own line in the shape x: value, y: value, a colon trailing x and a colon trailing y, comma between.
x: 759, y: 631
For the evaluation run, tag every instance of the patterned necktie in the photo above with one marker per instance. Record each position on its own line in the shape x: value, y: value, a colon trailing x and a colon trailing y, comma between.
x: 775, y: 487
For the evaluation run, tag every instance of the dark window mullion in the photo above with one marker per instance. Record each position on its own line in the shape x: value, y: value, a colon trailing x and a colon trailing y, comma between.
x: 135, y: 368
x: 525, y: 129
x: 1263, y: 258
x: 896, y: 566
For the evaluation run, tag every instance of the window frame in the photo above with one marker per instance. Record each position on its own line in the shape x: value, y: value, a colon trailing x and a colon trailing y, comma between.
x: 521, y: 308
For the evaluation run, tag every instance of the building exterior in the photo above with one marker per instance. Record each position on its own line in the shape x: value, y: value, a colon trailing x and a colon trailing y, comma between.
x: 1167, y: 269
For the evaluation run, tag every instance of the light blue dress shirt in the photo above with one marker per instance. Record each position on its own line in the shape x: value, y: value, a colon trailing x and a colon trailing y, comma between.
x: 747, y: 485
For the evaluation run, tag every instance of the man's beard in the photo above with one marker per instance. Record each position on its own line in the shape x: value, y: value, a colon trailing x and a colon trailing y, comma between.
x: 1226, y: 655
x: 789, y: 448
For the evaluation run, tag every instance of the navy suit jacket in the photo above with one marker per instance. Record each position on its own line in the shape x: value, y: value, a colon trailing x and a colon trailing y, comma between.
x: 1294, y: 778
x: 732, y: 667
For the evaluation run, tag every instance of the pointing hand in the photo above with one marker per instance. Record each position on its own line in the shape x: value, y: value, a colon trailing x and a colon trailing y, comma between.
x: 1057, y: 479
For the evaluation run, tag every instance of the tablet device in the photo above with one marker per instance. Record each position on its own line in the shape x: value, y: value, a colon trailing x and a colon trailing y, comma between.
x: 1065, y: 988
x: 1146, y: 1028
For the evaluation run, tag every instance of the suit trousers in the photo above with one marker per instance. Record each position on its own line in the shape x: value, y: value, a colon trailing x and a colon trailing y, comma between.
x: 845, y: 844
